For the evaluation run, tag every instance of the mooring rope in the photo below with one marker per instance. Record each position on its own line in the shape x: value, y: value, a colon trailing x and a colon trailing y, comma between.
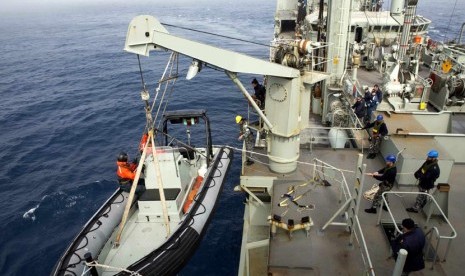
x: 96, y: 264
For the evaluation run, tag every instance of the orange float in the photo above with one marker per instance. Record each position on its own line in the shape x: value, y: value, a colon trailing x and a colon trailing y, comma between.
x: 192, y: 193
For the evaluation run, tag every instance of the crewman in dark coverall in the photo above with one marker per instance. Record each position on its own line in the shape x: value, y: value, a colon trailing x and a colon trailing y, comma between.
x: 426, y: 175
x: 387, y: 176
x: 379, y: 93
x: 359, y: 108
x: 260, y: 93
x: 412, y: 240
x: 379, y: 131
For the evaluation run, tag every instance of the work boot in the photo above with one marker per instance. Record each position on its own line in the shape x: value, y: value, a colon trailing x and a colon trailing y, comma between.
x: 371, y: 210
x: 249, y: 162
x: 411, y: 210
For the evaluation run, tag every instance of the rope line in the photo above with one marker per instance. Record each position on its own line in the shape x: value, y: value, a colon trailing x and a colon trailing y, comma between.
x: 450, y: 20
x: 96, y: 264
x: 299, y: 162
x: 218, y: 35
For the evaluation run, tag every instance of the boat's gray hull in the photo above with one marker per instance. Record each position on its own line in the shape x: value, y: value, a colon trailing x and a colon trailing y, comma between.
x: 171, y: 256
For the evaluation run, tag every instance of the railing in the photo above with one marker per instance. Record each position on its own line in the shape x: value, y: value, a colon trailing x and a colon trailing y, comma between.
x: 432, y: 232
x: 322, y: 168
x: 319, y: 169
x: 314, y: 138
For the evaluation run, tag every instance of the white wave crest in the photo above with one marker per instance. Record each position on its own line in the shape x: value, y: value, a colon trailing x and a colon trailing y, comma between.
x: 30, y: 214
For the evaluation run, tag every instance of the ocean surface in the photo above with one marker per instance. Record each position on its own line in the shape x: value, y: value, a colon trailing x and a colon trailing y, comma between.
x: 70, y: 102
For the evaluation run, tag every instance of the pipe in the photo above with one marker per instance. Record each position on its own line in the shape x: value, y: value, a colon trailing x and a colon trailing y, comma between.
x: 284, y: 226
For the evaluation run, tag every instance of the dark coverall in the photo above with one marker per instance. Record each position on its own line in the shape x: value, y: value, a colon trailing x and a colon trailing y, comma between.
x: 426, y: 175
x: 413, y: 241
x: 387, y: 177
x: 379, y: 131
x: 360, y: 109
x: 260, y: 93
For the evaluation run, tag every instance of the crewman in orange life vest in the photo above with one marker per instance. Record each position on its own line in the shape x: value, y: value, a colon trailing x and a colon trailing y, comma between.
x: 126, y: 173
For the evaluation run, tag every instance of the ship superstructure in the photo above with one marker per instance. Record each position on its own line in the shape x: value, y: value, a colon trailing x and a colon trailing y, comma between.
x: 307, y: 222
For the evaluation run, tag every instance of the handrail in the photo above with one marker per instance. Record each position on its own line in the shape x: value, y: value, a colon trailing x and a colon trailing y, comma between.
x: 365, y: 248
x: 345, y: 191
x: 384, y: 202
x: 344, y: 188
x: 433, y: 230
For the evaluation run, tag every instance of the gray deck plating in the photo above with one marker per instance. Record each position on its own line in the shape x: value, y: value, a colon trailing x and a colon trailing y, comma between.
x: 329, y: 252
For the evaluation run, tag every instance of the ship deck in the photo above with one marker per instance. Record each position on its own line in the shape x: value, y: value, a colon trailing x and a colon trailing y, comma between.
x: 328, y: 251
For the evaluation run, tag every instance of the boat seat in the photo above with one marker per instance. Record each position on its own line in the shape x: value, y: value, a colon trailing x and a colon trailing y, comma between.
x: 188, y: 153
x: 154, y: 195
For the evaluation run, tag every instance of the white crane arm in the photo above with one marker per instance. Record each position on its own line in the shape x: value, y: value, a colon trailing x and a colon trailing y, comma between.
x: 145, y: 33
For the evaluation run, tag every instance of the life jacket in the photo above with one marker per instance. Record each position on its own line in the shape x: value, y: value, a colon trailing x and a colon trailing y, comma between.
x: 125, y: 171
x: 426, y: 167
x: 376, y: 127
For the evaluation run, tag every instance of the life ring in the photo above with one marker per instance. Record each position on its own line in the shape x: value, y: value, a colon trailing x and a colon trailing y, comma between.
x: 192, y: 193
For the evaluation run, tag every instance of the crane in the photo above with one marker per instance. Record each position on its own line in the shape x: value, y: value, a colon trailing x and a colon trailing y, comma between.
x: 285, y: 112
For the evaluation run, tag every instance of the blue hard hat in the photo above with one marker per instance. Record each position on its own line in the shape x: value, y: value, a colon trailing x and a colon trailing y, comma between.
x: 391, y: 158
x: 379, y: 118
x: 433, y: 154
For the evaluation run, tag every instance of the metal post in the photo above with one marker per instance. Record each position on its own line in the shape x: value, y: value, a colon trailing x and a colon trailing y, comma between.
x: 436, y: 253
x: 360, y: 179
x: 339, y: 211
x: 447, y: 249
x: 401, y: 257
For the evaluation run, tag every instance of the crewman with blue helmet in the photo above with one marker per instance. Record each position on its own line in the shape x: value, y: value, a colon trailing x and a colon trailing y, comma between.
x: 426, y: 175
x: 387, y: 176
x: 379, y: 131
